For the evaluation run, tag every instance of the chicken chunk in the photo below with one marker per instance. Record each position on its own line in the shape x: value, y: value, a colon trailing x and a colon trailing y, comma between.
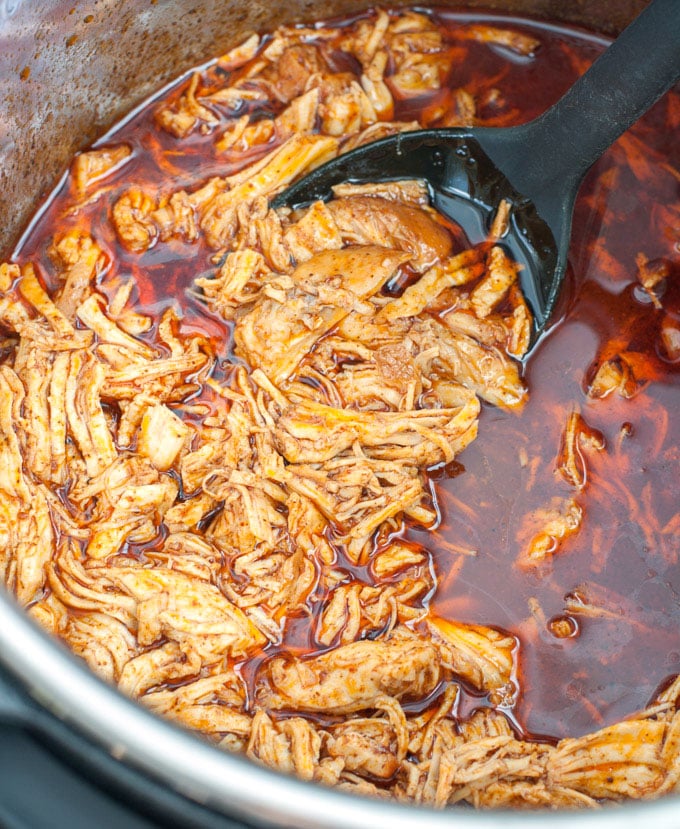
x: 376, y: 131
x: 453, y: 271
x: 577, y: 438
x: 622, y: 760
x: 366, y: 746
x: 86, y: 419
x: 103, y: 642
x: 411, y: 192
x: 154, y: 667
x: 162, y: 436
x: 131, y: 380
x: 313, y: 433
x: 518, y: 42
x: 481, y: 655
x: 174, y: 217
x: 238, y: 282
x: 486, y: 371
x: 613, y: 375
x: 354, y: 677
x: 356, y: 609
x: 555, y: 523
x: 289, y: 745
x: 26, y: 531
x: 281, y: 329
x: 356, y: 495
x: 43, y: 432
x: 213, y: 705
x: 193, y: 614
x: 81, y: 260
x: 133, y: 222
x: 134, y: 517
x: 298, y: 155
x: 180, y: 118
x: 314, y: 232
x: 372, y: 220
x: 491, y: 290
x: 34, y: 293
x: 91, y: 314
x: 390, y: 380
x: 94, y: 165
x: 296, y: 65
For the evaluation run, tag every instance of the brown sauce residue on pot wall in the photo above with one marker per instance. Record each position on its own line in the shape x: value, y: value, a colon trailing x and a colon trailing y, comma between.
x: 598, y: 621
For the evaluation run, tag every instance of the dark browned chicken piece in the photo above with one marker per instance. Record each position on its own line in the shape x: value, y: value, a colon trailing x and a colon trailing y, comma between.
x: 372, y: 220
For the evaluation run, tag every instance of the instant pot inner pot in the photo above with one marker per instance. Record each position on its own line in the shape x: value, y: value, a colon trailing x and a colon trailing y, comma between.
x: 69, y: 71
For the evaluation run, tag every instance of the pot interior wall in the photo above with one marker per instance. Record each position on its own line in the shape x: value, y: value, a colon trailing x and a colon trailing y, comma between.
x: 69, y: 71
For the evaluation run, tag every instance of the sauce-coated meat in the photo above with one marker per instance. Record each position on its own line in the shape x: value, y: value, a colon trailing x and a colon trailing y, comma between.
x: 283, y: 476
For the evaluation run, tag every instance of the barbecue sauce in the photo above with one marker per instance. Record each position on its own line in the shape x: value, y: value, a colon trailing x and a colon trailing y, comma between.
x: 598, y: 622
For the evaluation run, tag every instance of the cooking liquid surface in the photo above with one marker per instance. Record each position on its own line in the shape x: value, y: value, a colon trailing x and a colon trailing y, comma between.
x: 624, y: 559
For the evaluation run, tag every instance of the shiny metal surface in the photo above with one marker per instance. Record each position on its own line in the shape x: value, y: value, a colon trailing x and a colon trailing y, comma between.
x: 231, y: 784
x: 66, y: 77
x: 70, y: 70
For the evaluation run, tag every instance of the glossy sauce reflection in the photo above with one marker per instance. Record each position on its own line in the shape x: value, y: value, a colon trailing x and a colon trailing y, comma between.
x: 624, y: 560
x: 578, y: 672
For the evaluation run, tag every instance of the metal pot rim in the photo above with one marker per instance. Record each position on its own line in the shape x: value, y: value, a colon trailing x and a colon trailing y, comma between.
x: 230, y: 784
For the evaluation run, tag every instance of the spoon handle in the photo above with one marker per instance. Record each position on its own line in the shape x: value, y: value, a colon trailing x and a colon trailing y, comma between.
x: 622, y: 84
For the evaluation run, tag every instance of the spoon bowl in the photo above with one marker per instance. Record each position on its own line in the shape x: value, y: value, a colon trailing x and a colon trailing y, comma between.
x: 465, y: 186
x: 536, y: 167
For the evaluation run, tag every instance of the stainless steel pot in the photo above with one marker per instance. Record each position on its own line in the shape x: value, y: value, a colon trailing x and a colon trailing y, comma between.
x: 68, y: 72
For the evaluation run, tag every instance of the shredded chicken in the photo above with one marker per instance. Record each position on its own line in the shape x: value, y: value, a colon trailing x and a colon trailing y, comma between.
x: 577, y: 437
x: 555, y: 524
x: 518, y: 42
x: 311, y: 433
x: 215, y: 509
x: 615, y: 375
x: 367, y: 220
x: 652, y: 276
x: 296, y: 311
x: 90, y: 167
x: 356, y: 677
x: 180, y: 118
x: 481, y: 655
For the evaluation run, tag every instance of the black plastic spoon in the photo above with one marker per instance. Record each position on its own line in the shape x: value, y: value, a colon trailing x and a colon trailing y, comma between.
x: 538, y: 167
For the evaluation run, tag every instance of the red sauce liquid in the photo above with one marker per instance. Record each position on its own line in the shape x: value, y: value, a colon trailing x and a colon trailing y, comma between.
x: 625, y: 556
